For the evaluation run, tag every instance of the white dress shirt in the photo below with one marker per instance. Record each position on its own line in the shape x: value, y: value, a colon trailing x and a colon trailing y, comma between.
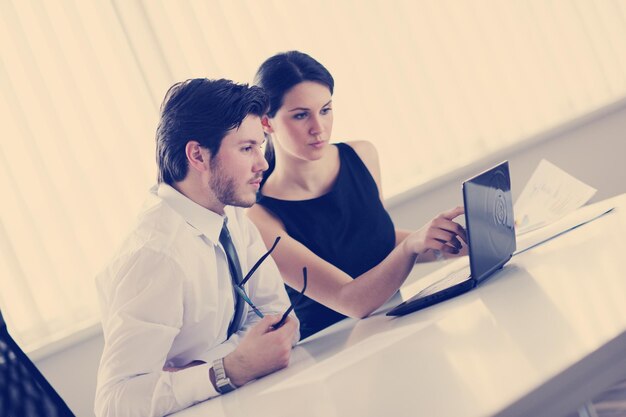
x: 167, y: 300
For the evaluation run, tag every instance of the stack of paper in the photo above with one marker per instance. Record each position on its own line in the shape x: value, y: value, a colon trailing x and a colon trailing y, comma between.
x: 550, y: 194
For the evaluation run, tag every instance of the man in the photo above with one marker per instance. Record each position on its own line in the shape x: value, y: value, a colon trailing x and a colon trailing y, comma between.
x: 175, y: 330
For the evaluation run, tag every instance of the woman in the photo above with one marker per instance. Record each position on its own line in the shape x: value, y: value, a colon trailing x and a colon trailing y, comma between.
x: 325, y: 202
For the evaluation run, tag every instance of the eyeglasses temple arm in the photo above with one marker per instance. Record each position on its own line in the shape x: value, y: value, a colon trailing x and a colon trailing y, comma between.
x: 247, y: 299
x: 293, y: 305
x: 259, y: 262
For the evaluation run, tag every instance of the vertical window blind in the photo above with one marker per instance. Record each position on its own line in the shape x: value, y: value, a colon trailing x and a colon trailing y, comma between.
x: 434, y: 84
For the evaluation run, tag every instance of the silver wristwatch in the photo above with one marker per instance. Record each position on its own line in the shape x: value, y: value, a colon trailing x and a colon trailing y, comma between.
x: 222, y: 382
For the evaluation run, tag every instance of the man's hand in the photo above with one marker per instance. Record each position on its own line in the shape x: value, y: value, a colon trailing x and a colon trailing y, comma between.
x: 262, y: 351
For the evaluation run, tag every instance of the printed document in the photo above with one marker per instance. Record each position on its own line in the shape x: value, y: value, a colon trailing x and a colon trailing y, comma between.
x: 550, y: 194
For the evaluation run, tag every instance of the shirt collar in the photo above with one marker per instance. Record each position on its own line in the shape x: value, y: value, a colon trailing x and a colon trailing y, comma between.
x: 205, y: 221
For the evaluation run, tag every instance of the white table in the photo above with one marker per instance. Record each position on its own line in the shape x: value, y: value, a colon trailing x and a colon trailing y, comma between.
x: 538, y: 338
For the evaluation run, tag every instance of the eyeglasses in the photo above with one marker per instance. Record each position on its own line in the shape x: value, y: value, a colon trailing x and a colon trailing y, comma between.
x: 242, y: 292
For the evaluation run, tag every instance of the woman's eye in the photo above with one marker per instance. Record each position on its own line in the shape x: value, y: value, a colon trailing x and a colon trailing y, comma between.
x: 326, y: 110
x: 299, y: 116
x: 247, y: 148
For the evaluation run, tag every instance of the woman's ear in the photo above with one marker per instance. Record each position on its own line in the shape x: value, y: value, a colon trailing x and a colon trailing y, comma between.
x: 197, y: 156
x: 267, y: 125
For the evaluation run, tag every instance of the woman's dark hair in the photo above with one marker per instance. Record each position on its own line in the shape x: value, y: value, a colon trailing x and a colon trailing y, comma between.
x: 202, y: 110
x: 279, y: 74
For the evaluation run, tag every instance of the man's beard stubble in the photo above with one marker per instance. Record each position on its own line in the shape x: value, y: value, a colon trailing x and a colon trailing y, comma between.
x: 224, y: 187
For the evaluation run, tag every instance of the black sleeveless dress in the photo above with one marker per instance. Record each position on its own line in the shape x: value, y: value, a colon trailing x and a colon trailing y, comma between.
x: 347, y: 227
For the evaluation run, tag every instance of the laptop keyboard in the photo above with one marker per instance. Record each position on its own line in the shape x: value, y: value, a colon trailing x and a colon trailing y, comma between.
x: 454, y: 278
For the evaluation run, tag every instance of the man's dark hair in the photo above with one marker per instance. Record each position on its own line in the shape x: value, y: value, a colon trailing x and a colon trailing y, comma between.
x: 202, y: 110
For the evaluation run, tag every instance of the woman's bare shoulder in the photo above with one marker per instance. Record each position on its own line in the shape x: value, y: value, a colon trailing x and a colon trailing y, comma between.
x: 369, y: 155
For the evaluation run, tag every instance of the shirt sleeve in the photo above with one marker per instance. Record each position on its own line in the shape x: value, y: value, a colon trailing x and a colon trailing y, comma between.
x: 142, y: 303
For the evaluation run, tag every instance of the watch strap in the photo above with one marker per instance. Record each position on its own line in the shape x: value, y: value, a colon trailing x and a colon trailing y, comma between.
x: 222, y: 381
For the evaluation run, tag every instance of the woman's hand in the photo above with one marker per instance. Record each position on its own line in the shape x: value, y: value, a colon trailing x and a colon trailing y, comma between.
x: 440, y: 234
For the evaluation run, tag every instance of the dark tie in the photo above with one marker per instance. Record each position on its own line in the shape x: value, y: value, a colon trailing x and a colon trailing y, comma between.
x: 235, y: 274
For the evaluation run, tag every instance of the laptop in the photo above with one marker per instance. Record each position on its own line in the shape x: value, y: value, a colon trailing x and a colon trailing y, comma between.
x: 491, y: 239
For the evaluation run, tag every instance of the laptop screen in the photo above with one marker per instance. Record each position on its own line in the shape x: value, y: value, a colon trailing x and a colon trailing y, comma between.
x: 489, y: 219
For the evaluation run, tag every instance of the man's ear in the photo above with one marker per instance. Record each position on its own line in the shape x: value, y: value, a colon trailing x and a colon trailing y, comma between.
x: 197, y: 156
x: 267, y: 125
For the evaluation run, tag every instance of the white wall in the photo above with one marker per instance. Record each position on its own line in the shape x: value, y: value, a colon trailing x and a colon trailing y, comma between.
x: 593, y: 149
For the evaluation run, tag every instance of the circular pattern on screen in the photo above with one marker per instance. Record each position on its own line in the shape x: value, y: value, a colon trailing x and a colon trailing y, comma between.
x: 497, y: 204
x: 499, y: 209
